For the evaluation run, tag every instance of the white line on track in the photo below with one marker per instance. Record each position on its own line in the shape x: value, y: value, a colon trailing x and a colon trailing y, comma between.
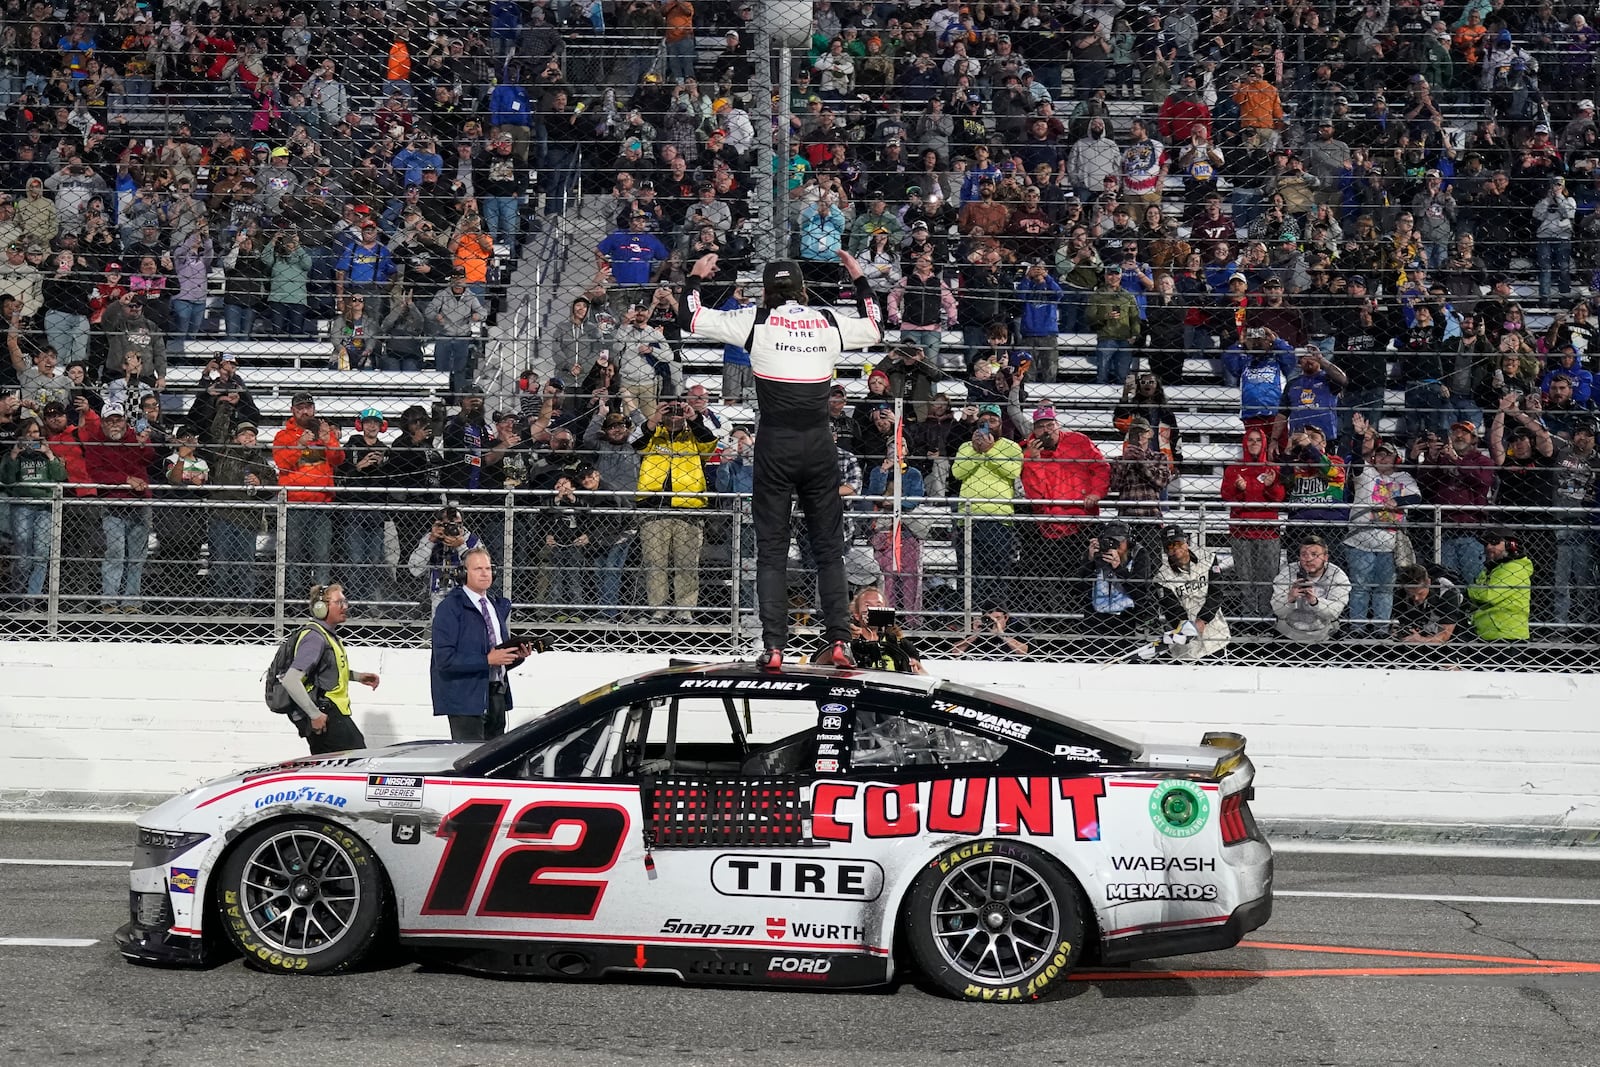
x: 1488, y: 852
x: 48, y: 942
x: 1446, y: 898
x: 62, y: 863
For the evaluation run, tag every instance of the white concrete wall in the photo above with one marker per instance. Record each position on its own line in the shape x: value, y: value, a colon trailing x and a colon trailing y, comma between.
x: 87, y: 721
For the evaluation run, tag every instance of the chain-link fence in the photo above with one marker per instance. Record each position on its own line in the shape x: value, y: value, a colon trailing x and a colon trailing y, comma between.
x: 602, y: 571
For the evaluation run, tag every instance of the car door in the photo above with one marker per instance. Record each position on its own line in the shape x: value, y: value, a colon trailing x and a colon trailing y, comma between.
x: 735, y: 865
x: 548, y: 848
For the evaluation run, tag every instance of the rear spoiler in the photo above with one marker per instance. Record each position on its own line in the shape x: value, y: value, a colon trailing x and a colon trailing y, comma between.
x: 1231, y: 748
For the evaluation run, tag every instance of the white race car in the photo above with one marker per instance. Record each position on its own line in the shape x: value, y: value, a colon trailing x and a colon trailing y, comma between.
x: 726, y: 825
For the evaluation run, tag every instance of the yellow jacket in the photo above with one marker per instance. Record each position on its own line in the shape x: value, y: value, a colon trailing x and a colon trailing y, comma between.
x: 989, y: 474
x: 673, y: 461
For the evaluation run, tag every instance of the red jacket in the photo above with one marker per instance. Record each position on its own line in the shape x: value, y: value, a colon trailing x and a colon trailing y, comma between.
x: 1072, y: 470
x: 1178, y: 117
x: 1254, y: 514
x: 68, y: 444
x: 308, y: 482
x: 114, y: 462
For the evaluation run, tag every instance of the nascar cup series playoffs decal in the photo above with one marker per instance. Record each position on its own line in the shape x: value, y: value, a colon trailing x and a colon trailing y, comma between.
x: 1179, y: 809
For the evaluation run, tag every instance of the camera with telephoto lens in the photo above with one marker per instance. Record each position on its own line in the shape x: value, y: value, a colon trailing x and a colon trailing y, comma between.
x: 452, y: 529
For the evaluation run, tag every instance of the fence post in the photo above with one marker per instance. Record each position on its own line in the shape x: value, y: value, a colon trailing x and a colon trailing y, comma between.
x: 966, y: 573
x: 1438, y: 538
x: 280, y: 564
x: 736, y: 557
x: 508, y: 537
x: 53, y: 604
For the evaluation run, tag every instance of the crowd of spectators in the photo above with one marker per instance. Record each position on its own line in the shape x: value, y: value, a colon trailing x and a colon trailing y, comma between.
x: 1190, y: 196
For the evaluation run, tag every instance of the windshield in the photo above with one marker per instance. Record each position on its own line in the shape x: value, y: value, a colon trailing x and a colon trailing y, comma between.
x: 493, y: 753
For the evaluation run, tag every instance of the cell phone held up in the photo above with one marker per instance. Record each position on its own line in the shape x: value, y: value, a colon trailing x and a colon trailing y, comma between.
x: 878, y: 618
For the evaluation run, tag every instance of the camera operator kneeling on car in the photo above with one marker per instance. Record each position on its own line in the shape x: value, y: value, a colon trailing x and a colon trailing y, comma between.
x: 309, y: 679
x: 876, y: 640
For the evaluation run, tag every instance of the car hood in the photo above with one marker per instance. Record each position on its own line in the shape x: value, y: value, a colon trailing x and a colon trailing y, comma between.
x: 412, y: 757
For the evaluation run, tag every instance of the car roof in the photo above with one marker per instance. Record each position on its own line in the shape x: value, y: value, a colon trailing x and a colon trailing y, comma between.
x: 659, y: 683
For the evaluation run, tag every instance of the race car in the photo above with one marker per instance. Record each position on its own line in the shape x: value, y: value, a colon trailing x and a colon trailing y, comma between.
x: 724, y: 824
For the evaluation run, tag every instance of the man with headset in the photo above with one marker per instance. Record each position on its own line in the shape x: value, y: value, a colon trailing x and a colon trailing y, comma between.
x: 309, y: 679
x: 793, y: 350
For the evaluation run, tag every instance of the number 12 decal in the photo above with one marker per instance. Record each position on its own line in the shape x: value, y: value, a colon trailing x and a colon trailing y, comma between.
x: 520, y: 886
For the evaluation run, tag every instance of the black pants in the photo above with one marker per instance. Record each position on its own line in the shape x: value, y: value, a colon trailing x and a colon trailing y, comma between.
x: 486, y: 727
x: 804, y: 463
x: 340, y: 735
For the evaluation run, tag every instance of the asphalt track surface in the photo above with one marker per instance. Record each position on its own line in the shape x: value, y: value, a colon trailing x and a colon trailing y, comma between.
x: 1527, y: 993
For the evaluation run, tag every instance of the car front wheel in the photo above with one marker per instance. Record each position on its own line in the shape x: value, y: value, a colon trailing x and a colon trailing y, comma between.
x: 994, y: 921
x: 304, y: 896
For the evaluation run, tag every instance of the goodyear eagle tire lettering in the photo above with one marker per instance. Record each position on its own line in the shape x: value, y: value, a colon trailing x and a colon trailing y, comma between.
x: 282, y: 872
x: 994, y: 921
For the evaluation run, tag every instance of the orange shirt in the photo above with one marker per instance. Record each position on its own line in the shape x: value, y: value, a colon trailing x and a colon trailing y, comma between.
x: 399, y: 62
x: 306, y: 472
x: 473, y: 252
x: 679, y: 15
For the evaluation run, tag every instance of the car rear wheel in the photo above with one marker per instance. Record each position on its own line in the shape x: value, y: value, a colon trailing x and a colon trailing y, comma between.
x: 303, y: 896
x: 994, y: 920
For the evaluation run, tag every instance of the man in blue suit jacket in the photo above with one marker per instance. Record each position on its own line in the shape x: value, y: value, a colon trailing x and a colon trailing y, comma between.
x: 467, y: 673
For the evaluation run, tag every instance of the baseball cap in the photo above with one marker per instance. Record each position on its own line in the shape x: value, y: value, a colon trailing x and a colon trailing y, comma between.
x: 113, y: 411
x: 1389, y: 447
x: 113, y: 268
x: 1270, y: 283
x: 1237, y: 277
x: 1173, y: 533
x: 1356, y: 279
x: 837, y: 390
x: 279, y: 153
x: 501, y: 416
x: 1585, y: 105
x: 55, y: 407
x: 245, y: 424
x: 302, y: 398
x: 1465, y: 424
x: 1042, y: 414
x: 1117, y: 530
x: 1504, y: 37
x: 780, y: 270
x: 370, y: 413
x: 1493, y: 535
x: 1541, y: 128
x: 988, y: 409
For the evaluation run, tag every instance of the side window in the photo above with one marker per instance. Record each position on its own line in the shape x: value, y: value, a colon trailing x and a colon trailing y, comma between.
x: 578, y: 753
x: 890, y: 739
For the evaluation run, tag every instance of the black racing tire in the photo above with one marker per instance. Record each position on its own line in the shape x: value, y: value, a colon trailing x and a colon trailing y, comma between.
x: 994, y: 920
x: 331, y: 883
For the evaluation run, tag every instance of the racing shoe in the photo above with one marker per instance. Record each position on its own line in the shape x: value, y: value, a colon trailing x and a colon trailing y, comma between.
x: 837, y: 655
x: 771, y: 660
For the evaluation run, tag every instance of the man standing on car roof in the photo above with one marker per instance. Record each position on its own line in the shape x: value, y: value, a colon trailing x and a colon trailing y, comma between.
x: 793, y: 349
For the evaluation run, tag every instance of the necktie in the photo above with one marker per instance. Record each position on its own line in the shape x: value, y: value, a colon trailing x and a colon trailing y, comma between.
x: 488, y: 631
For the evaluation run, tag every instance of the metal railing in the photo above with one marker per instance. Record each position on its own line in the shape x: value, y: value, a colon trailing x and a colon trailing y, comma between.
x: 602, y: 572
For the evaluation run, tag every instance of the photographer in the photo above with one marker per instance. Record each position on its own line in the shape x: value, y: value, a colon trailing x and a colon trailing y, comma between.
x: 1309, y: 596
x: 440, y: 552
x: 309, y: 680
x: 1428, y: 606
x: 1115, y: 580
x: 876, y: 639
x: 222, y: 401
x: 991, y: 637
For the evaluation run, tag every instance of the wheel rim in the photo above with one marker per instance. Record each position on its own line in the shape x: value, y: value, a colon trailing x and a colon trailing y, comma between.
x: 300, y: 891
x: 994, y: 920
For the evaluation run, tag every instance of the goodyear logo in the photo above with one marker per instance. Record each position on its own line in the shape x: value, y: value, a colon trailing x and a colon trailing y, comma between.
x: 184, y: 879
